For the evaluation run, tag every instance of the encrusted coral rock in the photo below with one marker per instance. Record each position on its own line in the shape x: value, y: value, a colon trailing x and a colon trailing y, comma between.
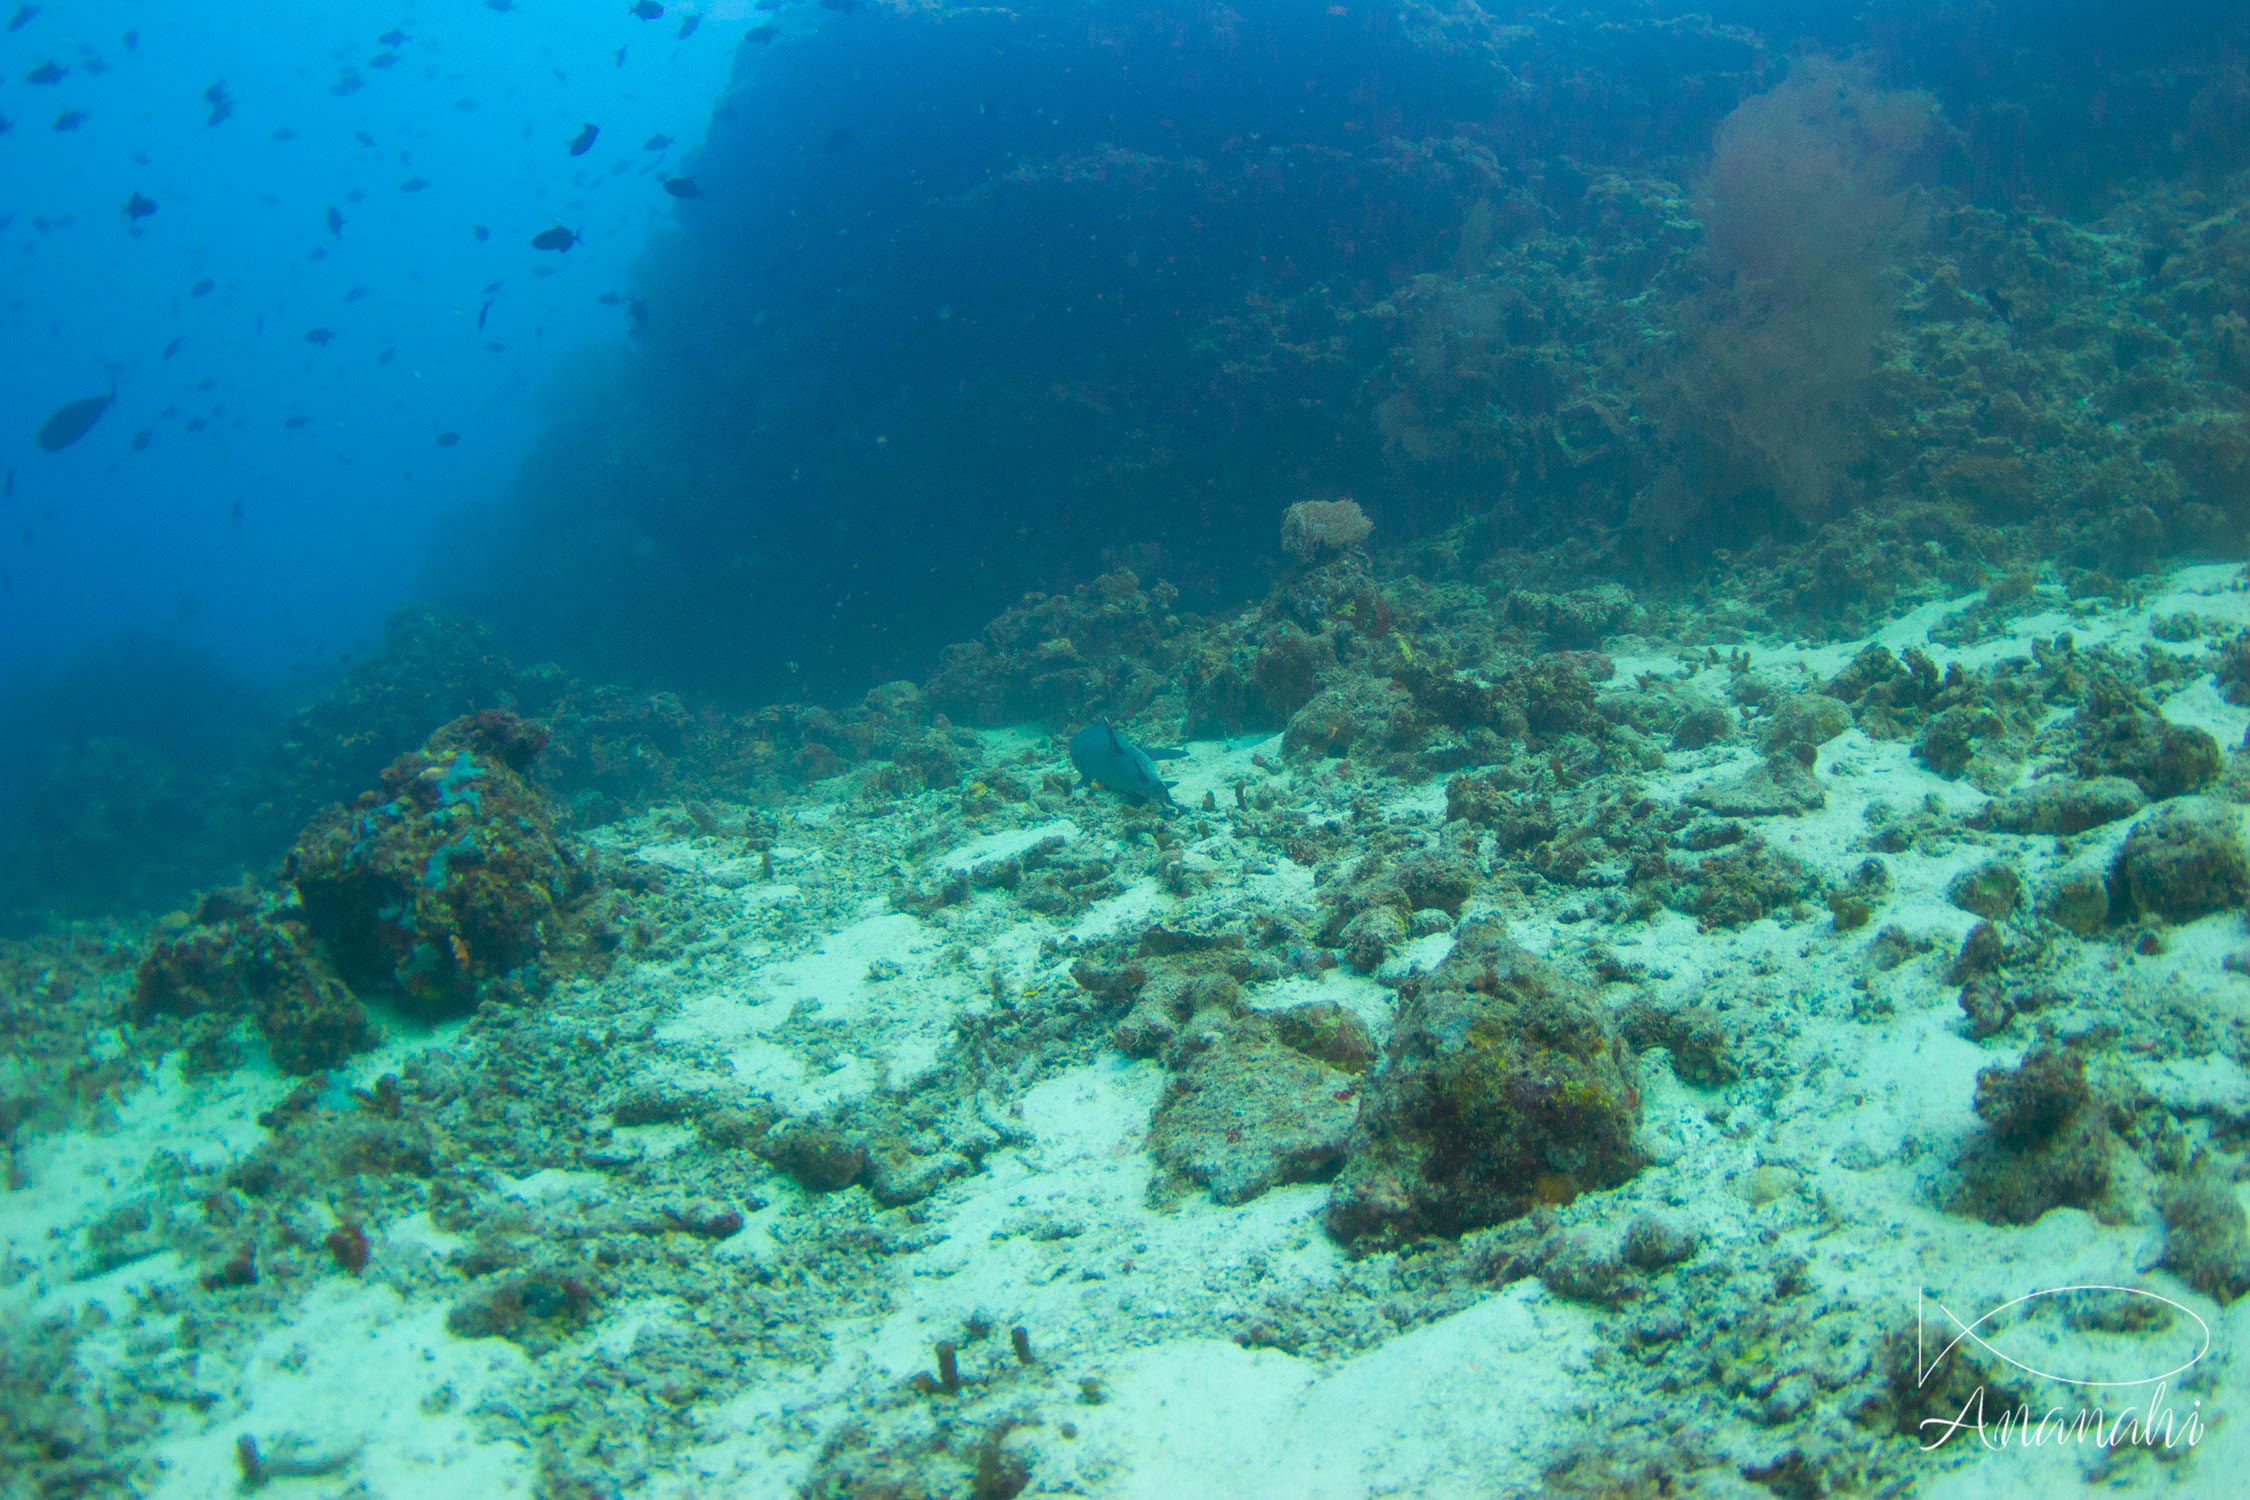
x: 235, y: 958
x: 2062, y: 805
x: 446, y: 880
x: 2182, y: 861
x: 1502, y: 1085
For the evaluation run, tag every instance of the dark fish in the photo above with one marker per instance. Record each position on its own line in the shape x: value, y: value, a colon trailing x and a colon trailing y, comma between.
x: 656, y: 142
x: 647, y: 10
x: 197, y: 424
x: 234, y: 513
x: 171, y: 348
x: 1106, y: 758
x: 321, y: 336
x: 70, y: 119
x: 141, y: 439
x: 296, y: 421
x: 585, y: 140
x: 557, y: 239
x: 73, y: 420
x: 636, y: 317
x: 364, y: 139
x: 482, y: 233
x: 682, y: 187
x: 392, y: 38
x: 9, y: 493
x: 202, y: 288
x: 482, y: 313
x: 93, y: 65
x: 335, y: 221
x: 6, y: 124
x: 413, y: 185
x: 386, y: 356
x: 283, y: 133
x: 132, y: 40
x: 610, y: 299
x: 22, y: 17
x: 687, y: 27
x: 355, y: 294
x: 500, y: 5
x: 620, y: 54
x: 347, y: 85
x: 138, y: 208
x: 383, y: 60
x: 46, y: 73
x: 761, y: 35
x: 221, y: 102
x: 448, y: 439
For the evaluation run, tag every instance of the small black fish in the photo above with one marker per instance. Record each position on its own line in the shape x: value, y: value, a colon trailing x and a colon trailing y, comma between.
x: 386, y: 356
x: 6, y: 124
x: 383, y: 60
x: 197, y: 424
x: 347, y: 85
x: 414, y: 184
x: 557, y: 239
x: 297, y: 421
x: 141, y: 439
x: 335, y: 221
x: 682, y: 187
x: 448, y: 439
x: 355, y: 294
x: 585, y: 140
x: 321, y: 336
x: 647, y: 10
x: 500, y: 5
x: 364, y: 139
x: 482, y: 313
x: 132, y: 40
x: 202, y: 288
x: 610, y: 299
x: 46, y: 73
x: 636, y: 317
x: 170, y: 348
x: 73, y: 420
x: 93, y: 64
x: 221, y: 102
x: 22, y: 17
x: 138, y: 207
x: 656, y: 142
x: 620, y: 53
x: 481, y: 232
x: 392, y: 38
x: 761, y: 35
x: 70, y: 119
x: 687, y: 27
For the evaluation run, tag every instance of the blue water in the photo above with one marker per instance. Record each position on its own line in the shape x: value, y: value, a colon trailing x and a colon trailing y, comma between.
x: 276, y: 546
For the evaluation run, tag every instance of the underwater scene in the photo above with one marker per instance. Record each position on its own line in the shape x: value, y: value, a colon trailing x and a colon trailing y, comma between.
x: 906, y: 750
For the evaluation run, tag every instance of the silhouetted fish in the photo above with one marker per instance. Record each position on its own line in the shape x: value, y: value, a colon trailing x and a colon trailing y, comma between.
x: 138, y: 208
x: 761, y: 35
x: 73, y: 420
x: 585, y: 140
x: 610, y: 299
x: 283, y: 133
x: 483, y: 312
x: 132, y: 40
x: 296, y: 421
x: 687, y: 27
x: 481, y: 232
x: 413, y: 184
x: 383, y: 60
x: 221, y: 102
x: 636, y: 317
x: 202, y: 288
x: 392, y: 38
x: 6, y: 124
x: 47, y: 72
x: 386, y: 356
x: 656, y: 142
x: 321, y: 336
x: 347, y: 85
x: 364, y: 139
x: 500, y: 5
x: 22, y: 17
x: 682, y: 187
x: 70, y: 119
x: 647, y: 10
x: 557, y: 239
x: 141, y: 439
x: 335, y: 221
x: 171, y: 347
x: 448, y: 439
x: 355, y: 294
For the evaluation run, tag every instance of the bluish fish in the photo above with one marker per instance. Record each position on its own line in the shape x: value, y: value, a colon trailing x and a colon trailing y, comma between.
x: 1106, y: 758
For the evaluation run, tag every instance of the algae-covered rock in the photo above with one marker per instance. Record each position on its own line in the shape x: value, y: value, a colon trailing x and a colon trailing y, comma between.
x: 446, y: 880
x: 2046, y: 1143
x: 2182, y: 861
x: 239, y: 957
x: 1780, y: 786
x: 1992, y: 890
x: 1502, y: 1085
